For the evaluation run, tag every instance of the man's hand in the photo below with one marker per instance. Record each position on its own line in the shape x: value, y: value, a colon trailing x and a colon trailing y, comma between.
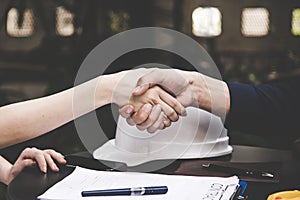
x: 173, y: 81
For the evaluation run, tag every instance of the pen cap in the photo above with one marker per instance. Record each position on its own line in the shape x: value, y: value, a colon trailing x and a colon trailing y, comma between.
x: 198, y: 135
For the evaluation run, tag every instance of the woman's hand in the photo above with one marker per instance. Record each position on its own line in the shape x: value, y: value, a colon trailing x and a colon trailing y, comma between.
x: 33, y: 156
x: 157, y: 96
x: 163, y: 107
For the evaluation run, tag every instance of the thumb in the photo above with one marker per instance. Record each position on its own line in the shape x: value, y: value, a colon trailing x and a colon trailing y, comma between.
x: 147, y: 81
x: 141, y: 89
x: 126, y: 111
x: 19, y: 166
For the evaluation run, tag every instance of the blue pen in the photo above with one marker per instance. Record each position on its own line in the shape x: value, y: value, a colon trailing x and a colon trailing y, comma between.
x: 134, y: 191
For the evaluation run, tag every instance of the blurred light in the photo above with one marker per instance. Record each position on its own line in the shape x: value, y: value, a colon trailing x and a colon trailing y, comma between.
x: 64, y: 22
x: 273, y: 75
x: 119, y: 21
x: 252, y: 77
x: 255, y: 22
x: 27, y: 27
x: 207, y: 22
x: 296, y: 22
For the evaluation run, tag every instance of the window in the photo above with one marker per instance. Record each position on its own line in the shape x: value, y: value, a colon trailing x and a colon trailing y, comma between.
x: 255, y: 22
x: 206, y: 22
x: 296, y: 22
x: 64, y: 22
x: 15, y: 28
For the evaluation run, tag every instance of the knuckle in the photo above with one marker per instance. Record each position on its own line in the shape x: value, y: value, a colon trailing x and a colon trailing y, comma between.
x: 144, y: 125
x: 137, y: 119
x: 155, y: 100
x: 156, y: 126
x: 130, y: 121
x: 49, y: 151
x: 173, y: 104
x: 150, y: 120
x: 27, y: 149
x: 151, y: 130
x: 141, y: 128
x: 172, y: 114
x: 33, y: 148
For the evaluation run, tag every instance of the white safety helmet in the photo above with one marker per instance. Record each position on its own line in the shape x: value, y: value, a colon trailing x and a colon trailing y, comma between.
x: 198, y: 135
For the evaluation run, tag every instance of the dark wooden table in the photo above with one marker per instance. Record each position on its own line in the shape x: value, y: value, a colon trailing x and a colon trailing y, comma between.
x: 31, y: 182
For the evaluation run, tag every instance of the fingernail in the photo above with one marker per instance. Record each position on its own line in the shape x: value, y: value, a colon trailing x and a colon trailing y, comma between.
x: 129, y: 110
x: 184, y: 112
x: 44, y: 169
x: 148, y: 108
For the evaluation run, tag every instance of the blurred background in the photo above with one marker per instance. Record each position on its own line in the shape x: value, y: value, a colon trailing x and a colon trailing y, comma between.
x: 43, y: 43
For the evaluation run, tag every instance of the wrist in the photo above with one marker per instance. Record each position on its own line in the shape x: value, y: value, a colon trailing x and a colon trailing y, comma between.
x: 209, y: 93
x: 113, y: 88
x: 104, y: 90
x: 200, y: 90
x: 123, y: 84
x: 9, y: 175
x: 5, y: 171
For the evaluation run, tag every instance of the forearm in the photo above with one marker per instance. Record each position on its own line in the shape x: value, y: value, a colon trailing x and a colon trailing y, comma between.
x: 5, y: 168
x: 265, y: 109
x: 29, y: 119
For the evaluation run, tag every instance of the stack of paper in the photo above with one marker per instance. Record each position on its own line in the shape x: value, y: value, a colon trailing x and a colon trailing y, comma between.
x: 179, y: 187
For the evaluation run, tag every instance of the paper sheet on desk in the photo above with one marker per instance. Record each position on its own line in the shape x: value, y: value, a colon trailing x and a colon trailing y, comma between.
x: 179, y: 187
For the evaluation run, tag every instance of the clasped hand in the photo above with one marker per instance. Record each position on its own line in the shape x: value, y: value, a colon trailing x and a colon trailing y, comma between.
x: 159, y: 98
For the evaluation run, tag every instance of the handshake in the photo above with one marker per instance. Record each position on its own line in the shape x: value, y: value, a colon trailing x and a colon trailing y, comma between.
x: 151, y: 99
x: 154, y: 98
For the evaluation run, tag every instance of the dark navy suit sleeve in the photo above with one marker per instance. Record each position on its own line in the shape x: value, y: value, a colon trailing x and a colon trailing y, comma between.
x: 268, y: 109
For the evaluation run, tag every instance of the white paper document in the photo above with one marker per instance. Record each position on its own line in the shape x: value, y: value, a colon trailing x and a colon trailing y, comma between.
x: 179, y: 187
